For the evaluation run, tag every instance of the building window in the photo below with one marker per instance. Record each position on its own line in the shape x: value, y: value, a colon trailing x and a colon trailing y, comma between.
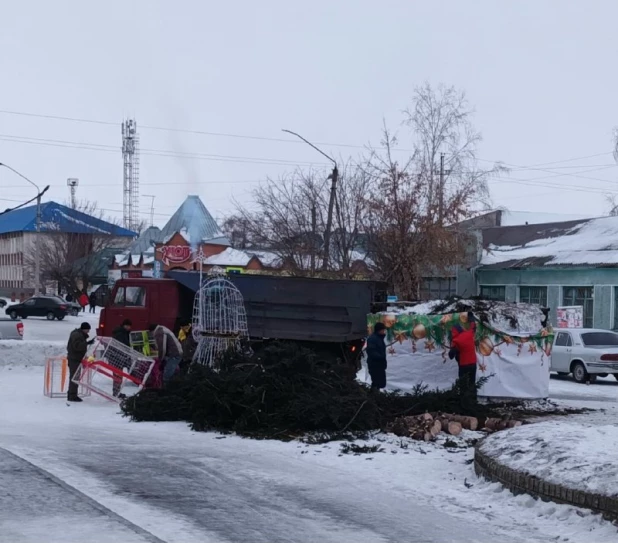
x: 580, y: 296
x: 438, y: 288
x: 533, y: 295
x: 493, y: 293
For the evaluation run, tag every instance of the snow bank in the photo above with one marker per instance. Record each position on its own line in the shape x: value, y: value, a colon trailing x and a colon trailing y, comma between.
x: 29, y: 353
x: 579, y: 456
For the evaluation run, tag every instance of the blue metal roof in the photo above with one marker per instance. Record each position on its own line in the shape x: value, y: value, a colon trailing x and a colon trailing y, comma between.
x: 195, y: 223
x: 58, y: 218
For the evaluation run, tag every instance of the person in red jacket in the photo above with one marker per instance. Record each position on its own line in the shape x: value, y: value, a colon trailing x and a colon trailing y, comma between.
x: 463, y: 349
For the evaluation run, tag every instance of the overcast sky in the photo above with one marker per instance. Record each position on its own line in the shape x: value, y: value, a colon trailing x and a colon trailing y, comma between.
x: 541, y: 75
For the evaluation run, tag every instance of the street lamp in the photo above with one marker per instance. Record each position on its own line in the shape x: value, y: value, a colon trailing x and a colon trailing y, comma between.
x: 37, y: 245
x: 331, y: 201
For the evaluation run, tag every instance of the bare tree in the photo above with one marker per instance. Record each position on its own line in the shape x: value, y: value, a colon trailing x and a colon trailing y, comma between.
x: 289, y: 216
x: 612, y: 203
x: 72, y: 260
x: 237, y: 230
x: 415, y: 203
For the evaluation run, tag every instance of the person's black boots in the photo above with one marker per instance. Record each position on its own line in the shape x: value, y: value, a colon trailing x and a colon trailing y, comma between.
x: 75, y: 399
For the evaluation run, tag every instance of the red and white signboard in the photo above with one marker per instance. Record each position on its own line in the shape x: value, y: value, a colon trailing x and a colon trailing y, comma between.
x: 570, y: 316
x: 175, y: 254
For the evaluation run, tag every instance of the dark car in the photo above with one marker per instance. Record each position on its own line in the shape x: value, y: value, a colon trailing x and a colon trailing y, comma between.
x: 74, y: 307
x: 39, y: 306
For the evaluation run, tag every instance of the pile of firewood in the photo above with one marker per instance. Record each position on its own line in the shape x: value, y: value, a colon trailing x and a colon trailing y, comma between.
x: 427, y: 426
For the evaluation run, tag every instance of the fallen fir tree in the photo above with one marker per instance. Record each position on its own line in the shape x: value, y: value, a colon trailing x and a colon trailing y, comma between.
x: 284, y: 391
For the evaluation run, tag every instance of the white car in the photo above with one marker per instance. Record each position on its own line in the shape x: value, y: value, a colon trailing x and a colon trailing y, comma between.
x: 586, y: 353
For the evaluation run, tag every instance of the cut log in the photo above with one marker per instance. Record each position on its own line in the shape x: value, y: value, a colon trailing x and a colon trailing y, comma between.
x: 454, y: 428
x: 428, y: 436
x: 514, y: 423
x: 436, y: 428
x: 425, y: 416
x: 444, y: 422
x: 492, y: 424
x: 469, y: 423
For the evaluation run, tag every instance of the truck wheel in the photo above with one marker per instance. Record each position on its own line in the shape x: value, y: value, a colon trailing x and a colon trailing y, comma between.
x: 51, y: 316
x: 60, y: 317
x: 13, y: 315
x: 579, y: 373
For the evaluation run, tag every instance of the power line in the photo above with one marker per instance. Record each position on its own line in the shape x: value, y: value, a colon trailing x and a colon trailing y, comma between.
x: 261, y: 138
x: 155, y: 152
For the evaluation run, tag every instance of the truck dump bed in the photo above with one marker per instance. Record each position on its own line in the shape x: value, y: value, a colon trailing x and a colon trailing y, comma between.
x: 300, y: 308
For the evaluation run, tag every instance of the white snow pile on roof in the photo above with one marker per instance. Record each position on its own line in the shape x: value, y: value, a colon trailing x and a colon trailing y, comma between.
x: 516, y: 218
x: 514, y: 319
x: 579, y: 456
x: 229, y: 257
x: 122, y: 259
x: 593, y: 242
x: 87, y: 225
x: 268, y: 258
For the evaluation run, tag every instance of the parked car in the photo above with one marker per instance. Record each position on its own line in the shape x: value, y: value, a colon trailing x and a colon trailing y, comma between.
x: 39, y: 306
x: 9, y: 329
x: 587, y: 353
x: 74, y: 307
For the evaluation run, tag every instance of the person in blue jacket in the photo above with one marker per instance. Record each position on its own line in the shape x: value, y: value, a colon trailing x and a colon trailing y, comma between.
x: 376, y: 357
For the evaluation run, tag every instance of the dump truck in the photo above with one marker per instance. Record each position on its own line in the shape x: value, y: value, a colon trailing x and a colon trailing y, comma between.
x: 325, y: 314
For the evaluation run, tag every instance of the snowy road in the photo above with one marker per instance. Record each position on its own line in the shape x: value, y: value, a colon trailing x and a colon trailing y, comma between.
x: 186, y: 487
x: 34, y: 505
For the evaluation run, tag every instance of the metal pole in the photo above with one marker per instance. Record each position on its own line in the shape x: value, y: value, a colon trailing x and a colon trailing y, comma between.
x: 329, y: 219
x: 331, y: 201
x: 37, y: 248
x: 441, y: 194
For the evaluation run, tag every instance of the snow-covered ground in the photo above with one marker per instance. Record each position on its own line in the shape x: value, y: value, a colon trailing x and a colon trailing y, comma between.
x: 581, y: 455
x: 184, y: 486
x: 143, y: 481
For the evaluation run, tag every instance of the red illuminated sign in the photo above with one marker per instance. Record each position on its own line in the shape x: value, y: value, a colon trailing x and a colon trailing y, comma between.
x: 175, y: 254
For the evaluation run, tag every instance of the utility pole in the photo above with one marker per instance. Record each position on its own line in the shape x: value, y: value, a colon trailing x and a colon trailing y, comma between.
x: 72, y: 183
x: 443, y: 172
x: 314, y: 227
x: 151, y: 208
x: 37, y: 241
x: 334, y: 176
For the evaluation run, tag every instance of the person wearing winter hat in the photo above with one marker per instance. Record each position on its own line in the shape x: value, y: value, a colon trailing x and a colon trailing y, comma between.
x: 76, y: 351
x: 376, y: 356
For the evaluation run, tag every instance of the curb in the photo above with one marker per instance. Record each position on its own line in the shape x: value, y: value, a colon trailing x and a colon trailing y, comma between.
x: 520, y: 482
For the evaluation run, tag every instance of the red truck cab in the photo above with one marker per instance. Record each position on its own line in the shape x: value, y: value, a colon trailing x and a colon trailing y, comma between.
x: 143, y: 301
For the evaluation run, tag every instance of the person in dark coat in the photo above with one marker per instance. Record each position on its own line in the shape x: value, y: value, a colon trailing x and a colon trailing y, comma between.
x: 68, y: 298
x: 122, y: 333
x: 92, y: 300
x: 463, y: 349
x: 376, y: 356
x: 76, y: 351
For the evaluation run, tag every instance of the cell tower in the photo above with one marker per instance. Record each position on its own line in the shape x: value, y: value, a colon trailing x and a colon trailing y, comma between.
x: 130, y: 174
x: 72, y: 183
